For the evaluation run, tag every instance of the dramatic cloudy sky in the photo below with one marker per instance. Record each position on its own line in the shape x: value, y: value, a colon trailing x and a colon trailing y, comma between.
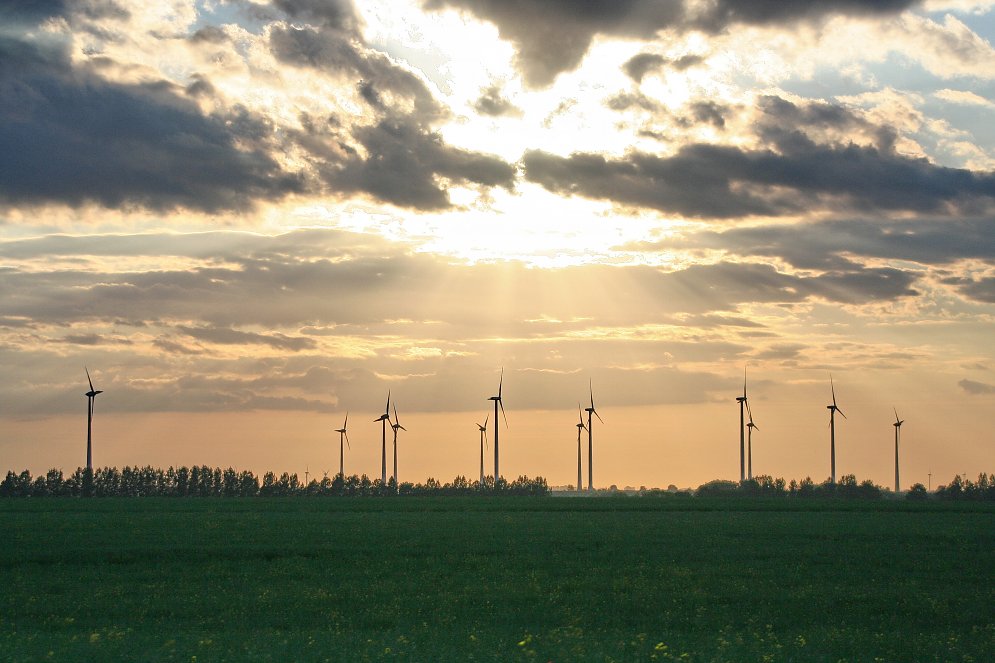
x: 248, y: 217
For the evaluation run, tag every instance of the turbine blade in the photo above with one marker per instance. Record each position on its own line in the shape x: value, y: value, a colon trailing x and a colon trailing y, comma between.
x: 896, y: 413
x: 387, y: 407
x: 591, y: 386
x: 501, y: 383
x: 501, y: 403
x: 396, y: 420
x: 744, y: 383
x: 580, y: 415
x: 348, y: 444
x: 486, y: 419
x: 345, y: 424
x: 88, y: 377
x: 597, y: 415
x: 841, y: 413
x: 832, y: 388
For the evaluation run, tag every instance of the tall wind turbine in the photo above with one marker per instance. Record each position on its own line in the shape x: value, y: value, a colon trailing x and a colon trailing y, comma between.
x: 497, y: 401
x: 749, y: 441
x: 742, y: 430
x: 590, y: 439
x: 580, y: 427
x: 396, y: 426
x: 832, y: 430
x: 898, y: 428
x: 91, y: 398
x: 483, y: 442
x: 384, y: 419
x: 343, y: 435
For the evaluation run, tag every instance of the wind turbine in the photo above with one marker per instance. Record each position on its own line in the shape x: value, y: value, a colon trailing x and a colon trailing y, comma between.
x: 898, y: 428
x: 590, y: 439
x: 497, y: 401
x: 384, y: 419
x: 91, y: 398
x: 580, y: 427
x: 742, y: 430
x: 343, y: 435
x: 749, y: 441
x: 396, y: 426
x: 483, y: 442
x: 832, y: 429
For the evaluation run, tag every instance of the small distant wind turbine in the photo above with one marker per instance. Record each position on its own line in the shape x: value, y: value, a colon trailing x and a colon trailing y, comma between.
x: 384, y: 419
x: 396, y: 426
x: 898, y: 429
x: 91, y: 398
x: 483, y: 442
x: 590, y: 439
x: 497, y: 401
x: 580, y: 427
x: 343, y: 436
x: 833, y: 409
x: 749, y: 441
x: 742, y: 430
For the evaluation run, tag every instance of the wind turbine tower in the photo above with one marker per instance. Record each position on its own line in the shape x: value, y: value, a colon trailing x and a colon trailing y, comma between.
x: 749, y: 442
x: 483, y: 442
x: 91, y: 397
x: 343, y: 435
x: 833, y: 409
x: 580, y: 427
x: 898, y: 431
x: 384, y: 419
x: 396, y: 426
x: 742, y: 431
x: 590, y: 439
x: 497, y: 401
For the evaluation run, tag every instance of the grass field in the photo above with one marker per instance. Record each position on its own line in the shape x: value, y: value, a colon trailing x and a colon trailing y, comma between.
x: 544, y: 579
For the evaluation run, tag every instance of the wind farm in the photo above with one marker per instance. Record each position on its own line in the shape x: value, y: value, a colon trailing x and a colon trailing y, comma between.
x: 390, y: 417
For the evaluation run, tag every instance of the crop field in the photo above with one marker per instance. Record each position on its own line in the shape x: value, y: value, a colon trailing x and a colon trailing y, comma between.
x: 463, y: 579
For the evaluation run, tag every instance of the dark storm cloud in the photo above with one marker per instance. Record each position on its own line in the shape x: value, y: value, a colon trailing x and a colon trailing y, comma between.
x: 335, y: 14
x: 718, y: 15
x: 36, y: 11
x: 977, y: 289
x: 71, y: 137
x: 335, y: 53
x: 833, y: 244
x: 639, y: 65
x: 976, y: 388
x: 492, y: 103
x: 405, y: 162
x: 403, y: 158
x: 553, y: 36
x: 228, y: 336
x: 209, y: 34
x: 703, y: 180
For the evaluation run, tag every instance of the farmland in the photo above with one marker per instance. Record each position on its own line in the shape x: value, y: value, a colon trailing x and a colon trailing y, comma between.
x: 560, y: 579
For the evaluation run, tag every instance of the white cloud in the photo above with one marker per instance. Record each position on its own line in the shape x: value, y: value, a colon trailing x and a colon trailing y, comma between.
x: 963, y: 97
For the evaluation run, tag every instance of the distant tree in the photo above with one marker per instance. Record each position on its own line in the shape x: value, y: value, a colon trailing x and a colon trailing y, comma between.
x: 917, y: 492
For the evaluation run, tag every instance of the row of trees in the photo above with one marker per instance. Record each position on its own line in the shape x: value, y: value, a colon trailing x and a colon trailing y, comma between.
x: 203, y: 481
x: 961, y: 488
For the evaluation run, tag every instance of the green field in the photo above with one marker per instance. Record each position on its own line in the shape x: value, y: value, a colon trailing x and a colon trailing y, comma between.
x: 544, y: 579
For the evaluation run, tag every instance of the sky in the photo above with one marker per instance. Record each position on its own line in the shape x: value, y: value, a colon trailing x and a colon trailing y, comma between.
x: 248, y: 218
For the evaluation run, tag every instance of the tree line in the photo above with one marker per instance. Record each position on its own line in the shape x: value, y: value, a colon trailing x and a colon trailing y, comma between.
x: 203, y: 481
x: 960, y: 488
